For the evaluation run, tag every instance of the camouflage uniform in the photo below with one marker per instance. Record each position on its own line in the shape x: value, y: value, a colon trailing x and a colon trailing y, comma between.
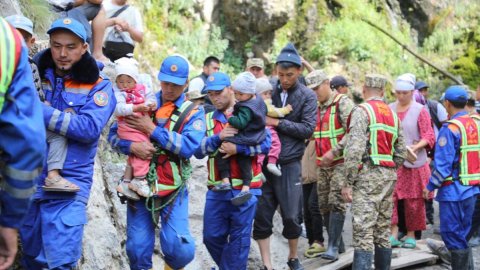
x: 372, y: 186
x: 330, y: 180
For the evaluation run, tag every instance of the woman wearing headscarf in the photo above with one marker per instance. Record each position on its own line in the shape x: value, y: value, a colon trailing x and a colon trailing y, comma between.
x: 411, y: 177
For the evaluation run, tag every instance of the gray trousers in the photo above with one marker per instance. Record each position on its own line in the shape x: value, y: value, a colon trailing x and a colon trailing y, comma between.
x: 57, y: 151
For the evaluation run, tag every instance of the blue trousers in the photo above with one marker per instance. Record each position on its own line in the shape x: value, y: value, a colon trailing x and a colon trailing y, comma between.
x: 177, y: 244
x: 52, y: 234
x: 456, y: 221
x: 226, y: 231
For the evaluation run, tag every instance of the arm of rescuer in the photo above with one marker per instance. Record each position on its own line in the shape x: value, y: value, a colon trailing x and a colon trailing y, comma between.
x: 304, y: 128
x: 210, y: 145
x: 356, y: 144
x: 182, y: 144
x: 22, y: 145
x: 445, y: 152
x: 87, y: 125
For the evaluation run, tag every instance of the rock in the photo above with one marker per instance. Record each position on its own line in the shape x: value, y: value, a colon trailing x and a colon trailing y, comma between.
x: 254, y: 22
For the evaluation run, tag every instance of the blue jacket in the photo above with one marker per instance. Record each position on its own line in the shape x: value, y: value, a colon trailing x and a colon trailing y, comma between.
x: 184, y: 144
x: 22, y: 144
x: 81, y: 104
x: 446, y: 155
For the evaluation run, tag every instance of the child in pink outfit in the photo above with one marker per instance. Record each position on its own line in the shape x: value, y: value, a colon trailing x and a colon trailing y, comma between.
x: 264, y: 89
x: 132, y: 98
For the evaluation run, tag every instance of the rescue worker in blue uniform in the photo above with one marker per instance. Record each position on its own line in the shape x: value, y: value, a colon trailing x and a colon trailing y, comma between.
x: 171, y: 168
x: 22, y: 140
x: 457, y: 176
x: 227, y: 228
x: 80, y: 102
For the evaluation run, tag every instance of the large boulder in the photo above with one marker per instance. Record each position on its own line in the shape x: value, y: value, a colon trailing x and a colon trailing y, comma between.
x: 254, y: 22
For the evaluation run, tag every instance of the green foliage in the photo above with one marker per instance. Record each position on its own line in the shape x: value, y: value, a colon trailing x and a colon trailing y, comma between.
x: 173, y: 27
x: 38, y: 12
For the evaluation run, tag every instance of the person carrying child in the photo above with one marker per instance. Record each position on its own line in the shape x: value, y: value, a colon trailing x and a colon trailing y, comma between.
x: 133, y: 98
x: 264, y: 89
x: 249, y: 118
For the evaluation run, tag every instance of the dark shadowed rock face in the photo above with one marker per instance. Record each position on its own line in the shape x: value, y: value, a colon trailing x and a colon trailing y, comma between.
x: 254, y: 21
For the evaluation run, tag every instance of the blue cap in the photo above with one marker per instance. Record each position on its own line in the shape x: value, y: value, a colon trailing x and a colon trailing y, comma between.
x: 217, y: 82
x: 456, y: 93
x: 71, y: 25
x: 174, y: 69
x: 420, y: 85
x: 21, y: 22
x: 289, y: 54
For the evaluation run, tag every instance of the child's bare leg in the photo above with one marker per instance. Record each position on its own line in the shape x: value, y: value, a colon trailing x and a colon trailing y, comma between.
x: 53, y: 174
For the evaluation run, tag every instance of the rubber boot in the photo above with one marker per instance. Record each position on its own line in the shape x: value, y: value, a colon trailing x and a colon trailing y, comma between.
x: 341, y: 247
x: 335, y: 229
x: 362, y: 260
x: 461, y: 259
x: 383, y: 258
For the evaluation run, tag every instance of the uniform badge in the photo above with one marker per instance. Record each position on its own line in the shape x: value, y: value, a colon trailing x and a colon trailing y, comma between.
x: 173, y: 68
x: 442, y: 141
x: 100, y: 98
x: 67, y: 21
x: 198, y: 124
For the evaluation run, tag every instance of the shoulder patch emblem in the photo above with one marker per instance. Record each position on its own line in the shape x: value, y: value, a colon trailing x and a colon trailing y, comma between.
x: 100, y: 98
x: 442, y: 141
x: 198, y: 124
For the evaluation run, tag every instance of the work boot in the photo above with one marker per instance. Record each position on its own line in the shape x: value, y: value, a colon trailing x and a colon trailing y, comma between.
x: 461, y: 259
x: 383, y: 258
x: 438, y: 248
x: 362, y: 260
x: 335, y: 229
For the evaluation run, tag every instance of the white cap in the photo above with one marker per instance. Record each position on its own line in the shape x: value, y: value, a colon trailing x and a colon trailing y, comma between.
x: 244, y: 83
x: 195, y: 88
x: 127, y: 66
x: 262, y: 85
x: 405, y: 82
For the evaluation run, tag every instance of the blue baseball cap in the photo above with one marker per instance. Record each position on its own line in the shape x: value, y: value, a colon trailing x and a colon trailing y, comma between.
x: 456, y: 93
x: 420, y: 85
x: 21, y: 22
x: 174, y: 69
x: 217, y: 82
x: 71, y: 25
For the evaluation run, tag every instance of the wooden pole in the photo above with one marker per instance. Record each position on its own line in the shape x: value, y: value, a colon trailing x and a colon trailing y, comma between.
x: 421, y: 58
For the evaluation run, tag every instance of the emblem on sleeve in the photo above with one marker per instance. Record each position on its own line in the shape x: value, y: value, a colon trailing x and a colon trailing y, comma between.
x: 442, y: 141
x: 198, y: 124
x: 100, y: 98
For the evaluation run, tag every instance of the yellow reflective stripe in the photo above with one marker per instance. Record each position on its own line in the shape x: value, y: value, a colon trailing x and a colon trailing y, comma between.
x: 374, y: 128
x: 7, y: 58
x: 464, y: 176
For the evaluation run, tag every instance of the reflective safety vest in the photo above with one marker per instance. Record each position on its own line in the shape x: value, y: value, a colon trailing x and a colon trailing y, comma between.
x: 171, y: 170
x: 10, y: 51
x: 383, y: 128
x: 469, y: 159
x: 329, y: 131
x: 215, y: 127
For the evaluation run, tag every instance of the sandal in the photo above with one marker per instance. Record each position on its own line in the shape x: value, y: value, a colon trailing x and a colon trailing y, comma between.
x: 394, y: 242
x: 59, y: 184
x: 241, y: 198
x: 222, y: 187
x: 409, y: 243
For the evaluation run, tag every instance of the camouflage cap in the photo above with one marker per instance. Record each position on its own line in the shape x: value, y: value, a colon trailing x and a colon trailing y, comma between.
x: 375, y: 81
x: 255, y: 62
x: 315, y: 78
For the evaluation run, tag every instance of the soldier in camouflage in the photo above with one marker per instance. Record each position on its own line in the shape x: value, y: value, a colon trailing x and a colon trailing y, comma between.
x: 370, y: 164
x: 331, y: 126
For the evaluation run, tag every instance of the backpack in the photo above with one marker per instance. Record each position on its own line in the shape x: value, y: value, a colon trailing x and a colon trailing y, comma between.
x: 433, y: 110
